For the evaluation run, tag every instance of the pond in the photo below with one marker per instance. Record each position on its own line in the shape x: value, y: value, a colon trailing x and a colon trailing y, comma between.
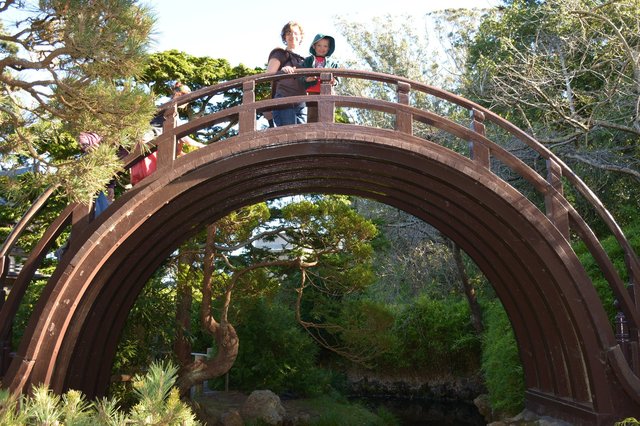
x: 414, y: 412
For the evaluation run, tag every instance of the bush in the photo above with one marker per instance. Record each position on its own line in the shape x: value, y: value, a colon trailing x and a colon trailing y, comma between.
x: 275, y: 353
x: 501, y: 363
x: 613, y: 249
x: 436, y: 336
x: 158, y: 404
x: 367, y: 330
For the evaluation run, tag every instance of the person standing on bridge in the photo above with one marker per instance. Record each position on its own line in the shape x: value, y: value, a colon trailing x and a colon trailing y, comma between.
x: 148, y: 164
x: 321, y: 50
x: 286, y: 61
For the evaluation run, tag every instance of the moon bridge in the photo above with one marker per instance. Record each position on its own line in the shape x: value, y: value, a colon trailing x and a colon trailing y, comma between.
x: 435, y: 155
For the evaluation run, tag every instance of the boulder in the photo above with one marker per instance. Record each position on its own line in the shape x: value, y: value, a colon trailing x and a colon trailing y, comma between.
x: 265, y: 406
x: 231, y: 418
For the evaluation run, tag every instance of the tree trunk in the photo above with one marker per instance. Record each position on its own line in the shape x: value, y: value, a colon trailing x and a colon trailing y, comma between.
x: 182, y: 346
x: 198, y: 371
x: 469, y: 290
x: 226, y: 338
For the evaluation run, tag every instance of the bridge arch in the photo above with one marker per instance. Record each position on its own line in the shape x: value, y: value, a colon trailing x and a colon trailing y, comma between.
x: 567, y: 346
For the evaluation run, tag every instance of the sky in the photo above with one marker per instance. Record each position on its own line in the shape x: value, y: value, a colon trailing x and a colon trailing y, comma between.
x: 245, y: 31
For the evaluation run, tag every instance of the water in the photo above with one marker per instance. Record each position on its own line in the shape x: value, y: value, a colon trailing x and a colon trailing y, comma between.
x: 427, y: 413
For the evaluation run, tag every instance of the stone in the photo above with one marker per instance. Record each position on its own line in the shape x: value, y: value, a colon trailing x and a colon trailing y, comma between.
x: 231, y: 418
x: 265, y: 406
x: 484, y: 407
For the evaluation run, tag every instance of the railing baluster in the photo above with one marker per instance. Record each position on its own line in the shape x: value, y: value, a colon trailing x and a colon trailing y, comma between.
x: 404, y: 120
x: 167, y: 140
x: 248, y: 115
x: 557, y: 214
x: 477, y: 151
x: 326, y: 83
x: 326, y: 109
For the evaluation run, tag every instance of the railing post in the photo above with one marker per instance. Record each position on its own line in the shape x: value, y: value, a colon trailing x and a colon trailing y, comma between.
x: 247, y: 120
x: 404, y: 121
x: 556, y: 213
x: 477, y: 151
x: 326, y: 83
x: 166, y: 150
x: 326, y: 109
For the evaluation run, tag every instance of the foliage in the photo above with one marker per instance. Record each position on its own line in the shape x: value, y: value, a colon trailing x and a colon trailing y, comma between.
x: 158, y: 404
x: 567, y: 72
x: 163, y: 69
x: 27, y: 305
x: 367, y: 328
x: 501, y: 363
x: 275, y: 353
x: 336, y: 412
x: 150, y: 328
x: 630, y: 421
x: 611, y: 246
x: 437, y: 336
x: 66, y: 69
x: 323, y: 228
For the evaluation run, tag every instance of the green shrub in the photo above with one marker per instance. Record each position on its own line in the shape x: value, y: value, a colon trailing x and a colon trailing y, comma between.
x: 275, y: 353
x: 501, y: 363
x: 616, y: 254
x: 436, y: 336
x: 367, y: 330
x: 158, y: 404
x: 628, y: 422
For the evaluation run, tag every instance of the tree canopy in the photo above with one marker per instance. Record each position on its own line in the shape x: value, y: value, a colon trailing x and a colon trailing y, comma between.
x: 568, y: 72
x: 68, y: 67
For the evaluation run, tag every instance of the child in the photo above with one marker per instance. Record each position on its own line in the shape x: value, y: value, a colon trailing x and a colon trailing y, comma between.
x: 321, y: 49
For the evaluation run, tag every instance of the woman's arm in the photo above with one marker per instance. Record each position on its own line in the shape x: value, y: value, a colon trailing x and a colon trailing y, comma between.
x: 273, y: 66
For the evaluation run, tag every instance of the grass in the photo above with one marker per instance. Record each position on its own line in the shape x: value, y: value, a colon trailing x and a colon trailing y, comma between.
x: 334, y: 412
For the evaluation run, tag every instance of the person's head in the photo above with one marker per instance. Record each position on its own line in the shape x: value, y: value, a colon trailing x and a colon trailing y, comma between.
x: 292, y: 34
x: 180, y: 89
x: 323, y: 45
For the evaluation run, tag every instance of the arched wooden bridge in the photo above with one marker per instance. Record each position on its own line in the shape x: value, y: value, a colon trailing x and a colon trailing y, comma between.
x: 577, y: 365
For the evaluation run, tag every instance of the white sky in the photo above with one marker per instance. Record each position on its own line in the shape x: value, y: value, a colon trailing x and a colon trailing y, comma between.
x: 245, y: 31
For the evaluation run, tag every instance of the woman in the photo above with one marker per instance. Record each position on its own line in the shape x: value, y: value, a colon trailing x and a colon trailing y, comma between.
x: 286, y: 61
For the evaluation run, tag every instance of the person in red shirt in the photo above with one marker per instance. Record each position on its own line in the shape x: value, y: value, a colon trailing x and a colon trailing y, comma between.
x: 147, y: 165
x: 321, y: 50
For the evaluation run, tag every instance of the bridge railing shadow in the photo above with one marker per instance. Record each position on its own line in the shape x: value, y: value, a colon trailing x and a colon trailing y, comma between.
x: 467, y: 123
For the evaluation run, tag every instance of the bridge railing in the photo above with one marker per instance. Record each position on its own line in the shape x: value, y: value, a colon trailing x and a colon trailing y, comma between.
x: 407, y: 116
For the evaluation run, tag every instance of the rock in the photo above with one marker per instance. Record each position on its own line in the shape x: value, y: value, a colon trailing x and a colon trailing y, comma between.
x: 529, y: 418
x: 484, y: 407
x: 263, y: 405
x: 231, y: 418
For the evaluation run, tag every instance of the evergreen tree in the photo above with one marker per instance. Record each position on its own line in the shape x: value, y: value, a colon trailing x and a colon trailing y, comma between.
x: 68, y: 67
